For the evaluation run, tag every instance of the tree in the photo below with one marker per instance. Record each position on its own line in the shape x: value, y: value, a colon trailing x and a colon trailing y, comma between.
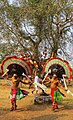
x: 53, y: 19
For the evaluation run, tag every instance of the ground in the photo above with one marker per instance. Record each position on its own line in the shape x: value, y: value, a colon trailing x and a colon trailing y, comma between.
x: 27, y: 110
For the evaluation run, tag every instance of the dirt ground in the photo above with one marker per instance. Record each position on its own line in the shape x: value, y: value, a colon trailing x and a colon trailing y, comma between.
x: 27, y: 110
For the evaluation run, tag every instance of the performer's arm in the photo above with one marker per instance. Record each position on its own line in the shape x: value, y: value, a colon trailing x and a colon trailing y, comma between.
x: 59, y: 84
x: 23, y: 82
x: 47, y: 74
x: 27, y: 77
x: 47, y: 82
x: 5, y: 73
x: 40, y: 80
x: 9, y: 78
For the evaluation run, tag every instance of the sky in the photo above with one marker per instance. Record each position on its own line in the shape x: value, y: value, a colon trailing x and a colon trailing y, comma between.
x: 11, y: 1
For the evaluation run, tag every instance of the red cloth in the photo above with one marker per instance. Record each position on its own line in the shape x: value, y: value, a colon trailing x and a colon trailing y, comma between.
x: 52, y: 93
x: 13, y: 92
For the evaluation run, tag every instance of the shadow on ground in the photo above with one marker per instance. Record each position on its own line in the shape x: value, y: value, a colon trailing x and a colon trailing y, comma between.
x: 49, y: 117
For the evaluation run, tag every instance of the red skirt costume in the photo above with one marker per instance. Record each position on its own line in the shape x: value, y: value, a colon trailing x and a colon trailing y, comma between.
x: 13, y: 94
x: 55, y: 94
x: 16, y: 93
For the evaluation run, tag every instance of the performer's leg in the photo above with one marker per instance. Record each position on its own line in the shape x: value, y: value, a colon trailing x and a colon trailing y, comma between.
x: 56, y: 105
x: 53, y: 106
x: 14, y: 104
x: 53, y: 101
x: 12, y: 107
x: 13, y: 100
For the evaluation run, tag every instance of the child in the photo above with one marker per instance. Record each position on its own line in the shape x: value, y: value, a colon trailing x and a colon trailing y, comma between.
x: 55, y: 92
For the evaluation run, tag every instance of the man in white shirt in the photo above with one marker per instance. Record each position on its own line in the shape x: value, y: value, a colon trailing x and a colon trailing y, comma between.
x: 36, y: 80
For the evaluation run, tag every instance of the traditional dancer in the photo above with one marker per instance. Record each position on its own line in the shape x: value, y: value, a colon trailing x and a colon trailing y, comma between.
x: 16, y: 93
x: 55, y: 92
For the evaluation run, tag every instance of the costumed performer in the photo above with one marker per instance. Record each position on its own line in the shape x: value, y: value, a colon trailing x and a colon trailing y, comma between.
x: 55, y: 92
x: 16, y: 92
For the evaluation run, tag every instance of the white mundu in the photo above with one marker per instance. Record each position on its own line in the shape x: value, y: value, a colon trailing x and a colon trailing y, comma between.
x: 36, y: 80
